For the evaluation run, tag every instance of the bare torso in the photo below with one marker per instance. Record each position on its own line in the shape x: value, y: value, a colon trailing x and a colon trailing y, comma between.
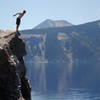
x: 20, y: 15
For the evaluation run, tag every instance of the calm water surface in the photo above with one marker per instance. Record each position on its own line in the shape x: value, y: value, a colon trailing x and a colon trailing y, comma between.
x: 71, y: 94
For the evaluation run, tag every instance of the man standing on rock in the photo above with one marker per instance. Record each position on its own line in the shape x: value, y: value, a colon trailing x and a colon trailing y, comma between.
x: 18, y: 20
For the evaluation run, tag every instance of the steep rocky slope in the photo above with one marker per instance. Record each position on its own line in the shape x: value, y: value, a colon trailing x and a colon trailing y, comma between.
x: 13, y: 79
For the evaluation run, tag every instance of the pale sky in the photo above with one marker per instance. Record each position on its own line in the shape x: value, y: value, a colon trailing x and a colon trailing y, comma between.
x: 74, y: 11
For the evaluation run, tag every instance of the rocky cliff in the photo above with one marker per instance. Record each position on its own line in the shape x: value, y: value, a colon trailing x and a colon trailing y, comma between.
x: 58, y: 58
x: 13, y: 81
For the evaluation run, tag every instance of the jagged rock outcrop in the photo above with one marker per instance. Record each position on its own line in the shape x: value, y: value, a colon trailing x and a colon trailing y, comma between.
x: 13, y: 81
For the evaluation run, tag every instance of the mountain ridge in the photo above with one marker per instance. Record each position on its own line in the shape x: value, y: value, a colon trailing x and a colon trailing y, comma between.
x: 80, y: 25
x: 48, y: 23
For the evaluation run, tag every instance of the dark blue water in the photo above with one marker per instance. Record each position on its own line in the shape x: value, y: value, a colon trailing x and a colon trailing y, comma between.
x: 70, y: 94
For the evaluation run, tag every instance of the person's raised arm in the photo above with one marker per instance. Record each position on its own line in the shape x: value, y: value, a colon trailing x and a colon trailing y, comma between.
x: 16, y: 14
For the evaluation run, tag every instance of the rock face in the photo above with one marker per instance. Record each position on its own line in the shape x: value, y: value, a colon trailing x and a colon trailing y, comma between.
x: 13, y: 81
x: 59, y: 58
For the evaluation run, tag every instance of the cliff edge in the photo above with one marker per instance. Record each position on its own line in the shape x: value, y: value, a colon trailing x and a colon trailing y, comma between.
x: 13, y: 81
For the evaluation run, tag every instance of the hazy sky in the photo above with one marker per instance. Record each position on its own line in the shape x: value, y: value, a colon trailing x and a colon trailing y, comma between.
x: 74, y: 11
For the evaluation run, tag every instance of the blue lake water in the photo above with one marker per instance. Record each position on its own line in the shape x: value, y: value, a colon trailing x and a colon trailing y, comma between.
x: 70, y: 94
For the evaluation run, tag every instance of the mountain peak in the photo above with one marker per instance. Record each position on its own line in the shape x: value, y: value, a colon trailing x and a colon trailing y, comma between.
x: 48, y: 23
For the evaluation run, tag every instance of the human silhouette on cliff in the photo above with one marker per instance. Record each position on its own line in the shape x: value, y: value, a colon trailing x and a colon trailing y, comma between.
x: 18, y: 20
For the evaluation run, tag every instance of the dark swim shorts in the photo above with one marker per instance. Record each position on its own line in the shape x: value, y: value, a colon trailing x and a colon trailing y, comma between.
x: 18, y: 21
